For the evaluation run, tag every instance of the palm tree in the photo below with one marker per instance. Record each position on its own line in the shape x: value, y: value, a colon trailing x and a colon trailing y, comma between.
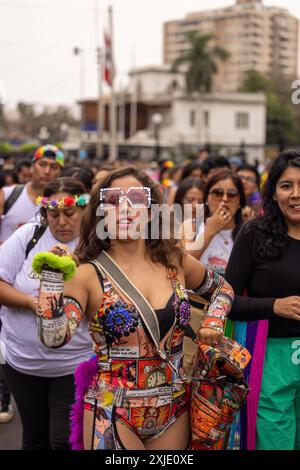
x: 201, y: 59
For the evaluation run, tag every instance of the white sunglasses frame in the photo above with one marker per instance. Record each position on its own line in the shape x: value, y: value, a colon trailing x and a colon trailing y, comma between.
x: 123, y: 194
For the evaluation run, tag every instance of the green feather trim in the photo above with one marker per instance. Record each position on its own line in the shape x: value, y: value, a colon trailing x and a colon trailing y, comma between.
x: 65, y: 264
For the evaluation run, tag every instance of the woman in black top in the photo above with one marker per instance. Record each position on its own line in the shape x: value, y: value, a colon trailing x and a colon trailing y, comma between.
x: 265, y: 264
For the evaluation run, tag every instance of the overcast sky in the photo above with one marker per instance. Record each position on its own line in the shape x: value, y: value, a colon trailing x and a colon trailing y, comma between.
x: 37, y: 38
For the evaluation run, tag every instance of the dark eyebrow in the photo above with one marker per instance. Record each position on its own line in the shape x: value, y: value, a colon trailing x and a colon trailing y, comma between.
x: 285, y: 181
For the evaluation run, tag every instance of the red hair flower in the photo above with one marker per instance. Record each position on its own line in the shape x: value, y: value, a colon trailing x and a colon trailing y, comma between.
x: 69, y: 201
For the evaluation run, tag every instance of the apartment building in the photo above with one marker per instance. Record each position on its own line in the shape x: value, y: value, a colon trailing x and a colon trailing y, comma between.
x: 256, y: 36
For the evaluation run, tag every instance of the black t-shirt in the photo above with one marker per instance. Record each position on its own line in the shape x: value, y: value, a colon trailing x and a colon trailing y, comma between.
x: 263, y: 281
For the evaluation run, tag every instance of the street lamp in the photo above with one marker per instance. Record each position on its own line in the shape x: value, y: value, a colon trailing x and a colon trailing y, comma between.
x: 80, y: 52
x: 64, y: 131
x: 44, y: 135
x: 156, y: 120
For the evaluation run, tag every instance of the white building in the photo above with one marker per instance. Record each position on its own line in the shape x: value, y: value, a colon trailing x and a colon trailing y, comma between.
x: 224, y: 119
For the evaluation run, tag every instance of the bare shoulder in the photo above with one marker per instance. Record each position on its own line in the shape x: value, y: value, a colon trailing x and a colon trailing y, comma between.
x: 85, y: 287
x: 194, y: 271
x: 87, y: 270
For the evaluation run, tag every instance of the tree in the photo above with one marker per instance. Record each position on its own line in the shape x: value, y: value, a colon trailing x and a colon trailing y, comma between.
x: 201, y: 60
x: 283, y: 118
x: 31, y: 120
x: 255, y: 81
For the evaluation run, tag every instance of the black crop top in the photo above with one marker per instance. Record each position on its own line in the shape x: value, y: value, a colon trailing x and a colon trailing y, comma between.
x: 165, y: 316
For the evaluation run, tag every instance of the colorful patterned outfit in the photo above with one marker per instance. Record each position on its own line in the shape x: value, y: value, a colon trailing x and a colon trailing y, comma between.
x: 133, y: 384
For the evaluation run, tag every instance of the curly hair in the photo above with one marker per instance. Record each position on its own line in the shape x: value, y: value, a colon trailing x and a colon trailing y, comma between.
x: 224, y: 175
x: 167, y: 252
x: 271, y: 228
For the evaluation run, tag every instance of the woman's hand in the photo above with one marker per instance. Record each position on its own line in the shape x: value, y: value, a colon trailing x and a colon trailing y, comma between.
x: 288, y: 307
x: 218, y: 220
x: 60, y: 250
x: 210, y: 336
x: 63, y: 250
x: 248, y: 214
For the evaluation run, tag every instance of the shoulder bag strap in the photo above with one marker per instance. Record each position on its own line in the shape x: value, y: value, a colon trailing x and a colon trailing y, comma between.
x: 16, y: 192
x: 136, y: 297
x: 38, y: 233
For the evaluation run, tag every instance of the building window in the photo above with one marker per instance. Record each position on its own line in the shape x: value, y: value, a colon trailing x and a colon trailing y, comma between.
x: 206, y: 118
x: 242, y: 120
x: 192, y: 118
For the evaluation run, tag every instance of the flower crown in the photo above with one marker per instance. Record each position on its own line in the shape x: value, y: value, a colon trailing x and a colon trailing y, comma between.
x: 67, y: 201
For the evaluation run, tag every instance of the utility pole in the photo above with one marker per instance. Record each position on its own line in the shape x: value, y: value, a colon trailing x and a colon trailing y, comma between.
x: 80, y: 52
x: 101, y: 106
x: 99, y: 52
x: 113, y: 121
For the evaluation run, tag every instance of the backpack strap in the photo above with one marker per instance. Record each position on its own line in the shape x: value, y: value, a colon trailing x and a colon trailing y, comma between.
x: 37, y: 234
x: 16, y: 192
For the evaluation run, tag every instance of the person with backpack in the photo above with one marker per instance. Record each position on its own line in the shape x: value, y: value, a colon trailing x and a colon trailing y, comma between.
x: 17, y: 207
x: 41, y: 380
x: 17, y: 203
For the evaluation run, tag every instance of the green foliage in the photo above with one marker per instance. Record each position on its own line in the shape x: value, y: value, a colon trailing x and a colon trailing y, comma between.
x: 31, y: 121
x: 255, y: 81
x: 28, y: 148
x: 283, y: 118
x: 201, y: 60
x: 5, y: 148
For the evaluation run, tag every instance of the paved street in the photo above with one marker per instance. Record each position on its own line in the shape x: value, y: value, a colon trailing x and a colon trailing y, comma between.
x: 10, y: 434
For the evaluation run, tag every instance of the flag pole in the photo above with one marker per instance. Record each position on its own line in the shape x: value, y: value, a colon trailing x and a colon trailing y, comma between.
x: 99, y: 52
x: 100, y: 117
x: 113, y: 121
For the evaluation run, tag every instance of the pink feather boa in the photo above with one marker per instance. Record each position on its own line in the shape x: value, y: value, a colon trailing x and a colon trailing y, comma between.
x: 83, y: 378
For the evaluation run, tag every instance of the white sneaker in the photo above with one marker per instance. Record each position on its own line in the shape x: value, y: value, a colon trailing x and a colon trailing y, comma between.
x: 7, y: 416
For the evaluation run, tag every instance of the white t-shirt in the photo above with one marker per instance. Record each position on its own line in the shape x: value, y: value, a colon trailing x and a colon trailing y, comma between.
x: 19, y: 341
x: 22, y: 211
x: 217, y: 253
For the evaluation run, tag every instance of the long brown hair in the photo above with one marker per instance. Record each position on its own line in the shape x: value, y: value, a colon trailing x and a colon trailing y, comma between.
x: 164, y: 251
x: 221, y: 176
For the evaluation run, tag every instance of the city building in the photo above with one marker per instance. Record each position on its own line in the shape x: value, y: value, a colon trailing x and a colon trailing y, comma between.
x: 256, y: 36
x: 228, y: 121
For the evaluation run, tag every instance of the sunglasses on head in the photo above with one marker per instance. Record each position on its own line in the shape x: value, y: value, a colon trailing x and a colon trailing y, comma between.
x: 138, y: 197
x: 218, y: 194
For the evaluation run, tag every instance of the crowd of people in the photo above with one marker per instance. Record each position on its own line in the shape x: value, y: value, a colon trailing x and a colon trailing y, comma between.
x: 100, y: 334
